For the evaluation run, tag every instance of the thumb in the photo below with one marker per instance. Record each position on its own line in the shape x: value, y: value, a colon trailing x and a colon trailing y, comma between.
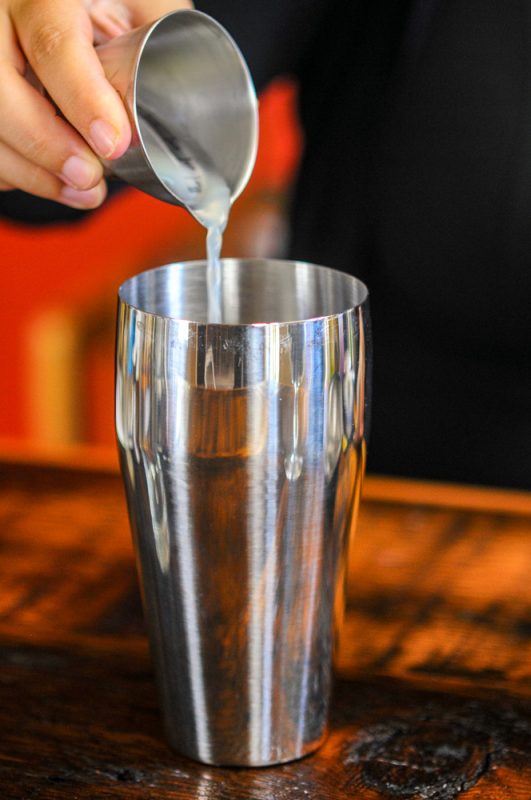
x: 109, y: 18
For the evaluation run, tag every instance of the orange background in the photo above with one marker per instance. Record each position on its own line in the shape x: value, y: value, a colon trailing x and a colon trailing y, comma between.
x: 60, y: 283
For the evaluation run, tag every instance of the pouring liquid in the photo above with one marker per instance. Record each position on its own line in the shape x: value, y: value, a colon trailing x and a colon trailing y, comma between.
x: 189, y: 175
x: 213, y: 214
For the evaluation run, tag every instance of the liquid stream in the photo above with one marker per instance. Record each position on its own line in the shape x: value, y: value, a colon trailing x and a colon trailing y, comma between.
x: 189, y: 175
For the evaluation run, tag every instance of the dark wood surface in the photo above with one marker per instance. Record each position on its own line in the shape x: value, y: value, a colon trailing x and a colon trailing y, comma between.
x: 433, y: 699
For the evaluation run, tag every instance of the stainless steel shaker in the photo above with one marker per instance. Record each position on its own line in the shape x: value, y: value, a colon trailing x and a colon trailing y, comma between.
x: 191, y: 104
x: 242, y: 448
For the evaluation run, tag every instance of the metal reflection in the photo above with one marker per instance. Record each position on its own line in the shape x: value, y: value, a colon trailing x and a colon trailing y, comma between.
x: 242, y: 451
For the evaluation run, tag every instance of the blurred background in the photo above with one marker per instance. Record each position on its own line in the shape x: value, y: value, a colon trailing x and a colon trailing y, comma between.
x: 60, y: 283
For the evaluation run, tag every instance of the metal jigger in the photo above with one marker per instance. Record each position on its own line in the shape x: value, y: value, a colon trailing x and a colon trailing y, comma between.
x: 191, y: 104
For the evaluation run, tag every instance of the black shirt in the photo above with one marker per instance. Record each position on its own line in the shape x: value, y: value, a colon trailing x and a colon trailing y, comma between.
x: 416, y: 177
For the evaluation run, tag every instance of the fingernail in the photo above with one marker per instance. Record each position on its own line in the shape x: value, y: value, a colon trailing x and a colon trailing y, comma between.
x: 103, y: 138
x: 91, y: 198
x: 79, y: 173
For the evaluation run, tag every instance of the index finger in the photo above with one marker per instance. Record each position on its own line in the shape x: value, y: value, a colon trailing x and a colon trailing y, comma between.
x: 56, y: 37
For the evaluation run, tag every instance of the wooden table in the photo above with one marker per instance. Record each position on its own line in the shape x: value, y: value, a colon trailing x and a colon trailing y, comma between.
x: 433, y: 700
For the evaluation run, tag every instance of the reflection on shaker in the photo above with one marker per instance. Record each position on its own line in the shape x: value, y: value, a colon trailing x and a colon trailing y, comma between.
x: 349, y: 396
x: 293, y: 432
x: 158, y: 505
x: 242, y: 491
x: 333, y: 424
x: 294, y: 404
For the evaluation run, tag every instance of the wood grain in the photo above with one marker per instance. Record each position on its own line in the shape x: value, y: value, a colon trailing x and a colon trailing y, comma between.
x: 435, y: 655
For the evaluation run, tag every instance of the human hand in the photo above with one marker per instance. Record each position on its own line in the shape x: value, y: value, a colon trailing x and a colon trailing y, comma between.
x: 40, y: 152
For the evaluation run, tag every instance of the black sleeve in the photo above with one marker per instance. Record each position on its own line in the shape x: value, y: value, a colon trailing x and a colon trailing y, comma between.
x: 30, y: 210
x: 26, y: 208
x: 275, y: 36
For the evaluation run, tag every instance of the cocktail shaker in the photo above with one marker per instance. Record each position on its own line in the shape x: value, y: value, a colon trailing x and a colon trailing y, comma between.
x: 242, y: 447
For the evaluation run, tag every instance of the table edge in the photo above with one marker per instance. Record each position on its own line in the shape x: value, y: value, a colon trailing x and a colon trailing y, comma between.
x: 376, y: 488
